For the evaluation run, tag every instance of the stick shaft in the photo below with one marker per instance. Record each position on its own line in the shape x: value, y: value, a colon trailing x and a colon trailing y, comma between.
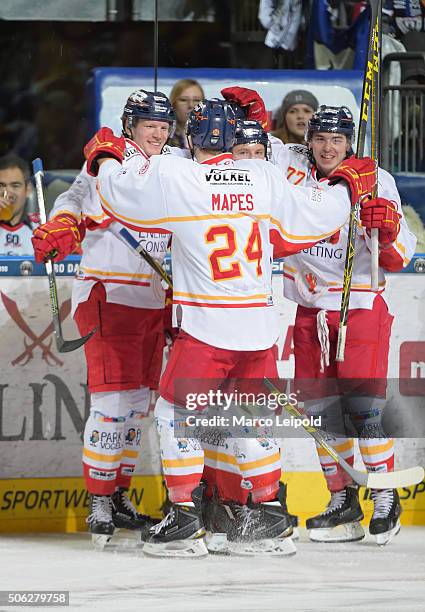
x: 371, y: 69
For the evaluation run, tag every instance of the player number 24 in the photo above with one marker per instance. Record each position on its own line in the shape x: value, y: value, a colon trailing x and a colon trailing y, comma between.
x: 227, y: 270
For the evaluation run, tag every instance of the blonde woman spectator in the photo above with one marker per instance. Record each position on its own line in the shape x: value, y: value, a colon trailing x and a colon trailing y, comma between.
x: 184, y: 96
x: 293, y: 115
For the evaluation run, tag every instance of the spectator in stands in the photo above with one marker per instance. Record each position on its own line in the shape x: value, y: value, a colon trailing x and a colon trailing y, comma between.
x: 15, y: 224
x: 408, y: 21
x: 184, y: 96
x: 293, y: 115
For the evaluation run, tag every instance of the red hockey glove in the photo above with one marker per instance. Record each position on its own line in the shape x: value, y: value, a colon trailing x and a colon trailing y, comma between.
x: 383, y: 215
x: 57, y: 238
x: 250, y: 101
x: 360, y: 174
x: 103, y: 144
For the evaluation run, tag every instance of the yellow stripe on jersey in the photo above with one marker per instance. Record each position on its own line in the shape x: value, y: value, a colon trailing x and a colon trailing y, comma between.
x: 340, y: 448
x: 250, y: 465
x: 130, y: 453
x: 245, y: 466
x: 127, y: 274
x: 304, y: 238
x: 190, y: 461
x: 98, y: 457
x: 183, y: 218
x: 376, y: 449
x: 203, y: 296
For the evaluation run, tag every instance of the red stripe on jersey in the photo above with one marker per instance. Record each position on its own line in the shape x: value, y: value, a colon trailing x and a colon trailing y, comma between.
x: 113, y: 280
x: 339, y: 290
x: 283, y: 248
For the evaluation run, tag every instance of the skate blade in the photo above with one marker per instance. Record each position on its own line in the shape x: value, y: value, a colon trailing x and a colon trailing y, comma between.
x: 182, y: 549
x: 295, y: 533
x: 217, y: 543
x: 350, y: 532
x: 385, y: 538
x: 100, y: 541
x: 271, y: 547
x: 121, y: 540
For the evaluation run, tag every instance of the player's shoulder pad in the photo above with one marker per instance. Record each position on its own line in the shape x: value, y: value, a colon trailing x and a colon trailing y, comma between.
x: 167, y: 150
x: 384, y: 175
x: 299, y: 149
x: 130, y: 151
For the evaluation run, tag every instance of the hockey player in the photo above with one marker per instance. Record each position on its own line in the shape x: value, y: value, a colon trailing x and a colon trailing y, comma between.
x: 117, y: 293
x: 251, y: 141
x: 313, y: 279
x: 15, y: 224
x: 221, y: 215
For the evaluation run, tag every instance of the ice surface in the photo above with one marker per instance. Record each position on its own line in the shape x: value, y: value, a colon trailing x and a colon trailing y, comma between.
x: 321, y: 577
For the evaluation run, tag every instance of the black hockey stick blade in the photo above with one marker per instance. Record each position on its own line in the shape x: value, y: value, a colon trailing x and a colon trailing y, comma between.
x: 67, y: 346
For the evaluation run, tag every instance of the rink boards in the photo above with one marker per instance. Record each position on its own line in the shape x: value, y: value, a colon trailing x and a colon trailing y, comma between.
x: 44, y: 403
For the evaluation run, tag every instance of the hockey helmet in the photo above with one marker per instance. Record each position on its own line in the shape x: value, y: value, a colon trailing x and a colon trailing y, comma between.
x: 251, y: 132
x: 337, y: 119
x: 211, y: 125
x: 150, y: 105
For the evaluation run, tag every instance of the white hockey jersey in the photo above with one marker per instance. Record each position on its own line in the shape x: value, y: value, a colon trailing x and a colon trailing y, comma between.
x: 313, y: 277
x: 127, y: 278
x: 16, y: 239
x: 221, y: 214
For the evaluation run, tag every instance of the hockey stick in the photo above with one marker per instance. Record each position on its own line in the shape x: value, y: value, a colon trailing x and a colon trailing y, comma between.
x: 375, y: 123
x: 155, y: 47
x: 124, y: 235
x: 63, y: 346
x: 374, y: 480
x: 371, y: 70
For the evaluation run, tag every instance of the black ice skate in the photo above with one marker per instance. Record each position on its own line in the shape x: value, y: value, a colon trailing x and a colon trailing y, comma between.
x: 181, y: 533
x: 292, y: 517
x: 125, y: 515
x: 385, y: 522
x: 247, y: 530
x: 99, y: 521
x: 340, y: 521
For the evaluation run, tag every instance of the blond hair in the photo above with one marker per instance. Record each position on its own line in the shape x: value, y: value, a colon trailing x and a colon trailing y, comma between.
x: 180, y: 86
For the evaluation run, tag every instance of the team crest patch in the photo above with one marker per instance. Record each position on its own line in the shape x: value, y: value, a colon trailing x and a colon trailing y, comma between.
x: 145, y: 167
x: 309, y: 285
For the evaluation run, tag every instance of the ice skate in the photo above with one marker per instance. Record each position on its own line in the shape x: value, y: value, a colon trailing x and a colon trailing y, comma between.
x: 248, y: 530
x: 385, y: 522
x: 125, y: 515
x: 292, y: 517
x: 99, y: 521
x: 181, y: 533
x: 340, y: 522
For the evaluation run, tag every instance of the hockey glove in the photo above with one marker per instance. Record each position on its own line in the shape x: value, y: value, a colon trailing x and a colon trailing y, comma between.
x: 57, y: 238
x: 382, y: 214
x: 103, y: 144
x: 360, y: 174
x: 250, y: 101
